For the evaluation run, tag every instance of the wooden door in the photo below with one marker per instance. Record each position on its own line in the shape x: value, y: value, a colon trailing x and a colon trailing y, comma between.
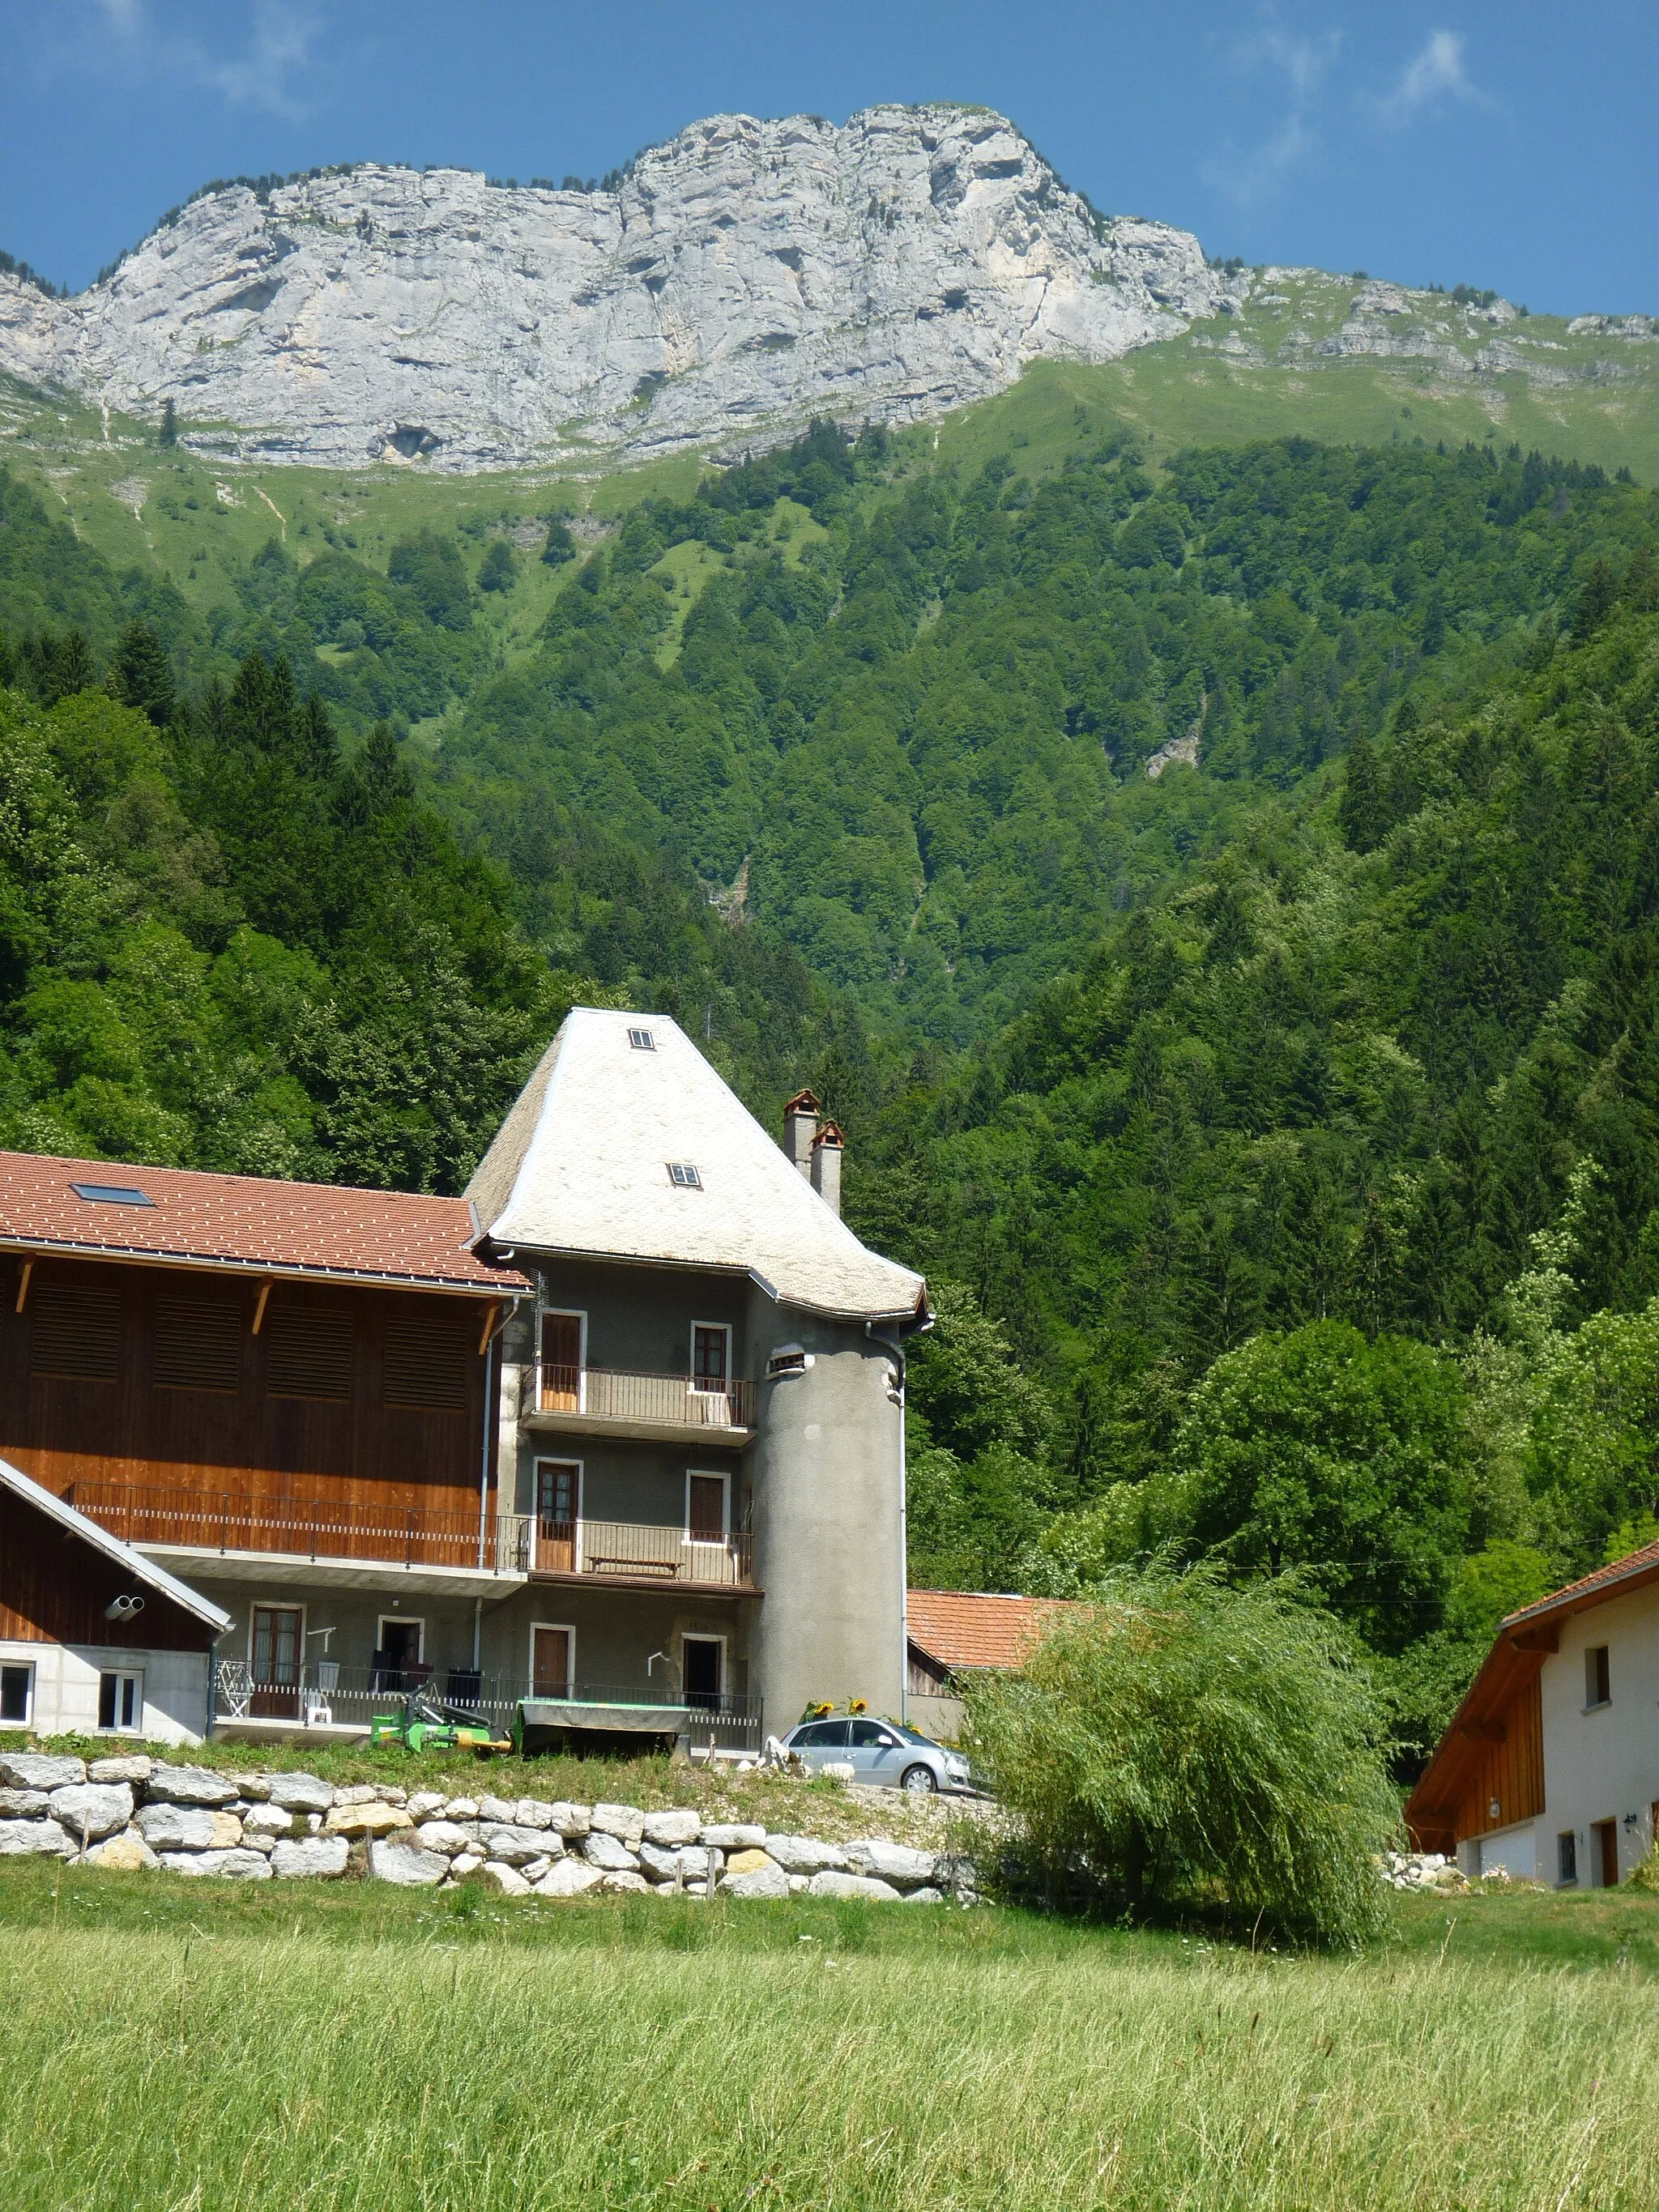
x: 1606, y: 1837
x: 278, y: 1650
x: 549, y: 1662
x: 561, y: 1363
x: 558, y: 1510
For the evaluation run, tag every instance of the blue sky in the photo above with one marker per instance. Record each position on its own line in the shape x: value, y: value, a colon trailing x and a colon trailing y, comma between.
x: 1507, y: 144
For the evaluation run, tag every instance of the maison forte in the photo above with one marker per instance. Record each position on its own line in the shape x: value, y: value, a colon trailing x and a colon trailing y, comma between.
x: 618, y: 1431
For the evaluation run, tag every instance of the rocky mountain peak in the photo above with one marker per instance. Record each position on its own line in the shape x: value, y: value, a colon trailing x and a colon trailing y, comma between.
x: 743, y: 277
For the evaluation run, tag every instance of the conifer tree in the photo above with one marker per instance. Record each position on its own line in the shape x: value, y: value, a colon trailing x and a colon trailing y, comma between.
x: 139, y: 676
x: 1361, y: 811
x: 168, y: 433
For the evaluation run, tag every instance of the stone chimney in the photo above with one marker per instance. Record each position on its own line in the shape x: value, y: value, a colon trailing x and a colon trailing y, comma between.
x: 800, y: 1122
x: 827, y: 1148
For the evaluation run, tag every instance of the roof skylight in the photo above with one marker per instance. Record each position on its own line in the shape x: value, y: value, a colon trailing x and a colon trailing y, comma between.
x: 642, y: 1040
x: 112, y: 1193
x: 684, y: 1176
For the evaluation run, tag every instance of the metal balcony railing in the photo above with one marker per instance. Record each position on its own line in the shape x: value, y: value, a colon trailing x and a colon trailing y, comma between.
x: 609, y: 1394
x: 235, y: 1521
x: 326, y: 1694
x: 322, y: 1529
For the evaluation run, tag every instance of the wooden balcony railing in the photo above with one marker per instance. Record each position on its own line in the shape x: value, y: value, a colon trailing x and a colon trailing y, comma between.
x: 234, y: 1521
x: 640, y: 1550
x: 612, y: 1394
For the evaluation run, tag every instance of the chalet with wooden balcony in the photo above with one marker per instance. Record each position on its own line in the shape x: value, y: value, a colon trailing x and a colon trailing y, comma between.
x: 1549, y: 1770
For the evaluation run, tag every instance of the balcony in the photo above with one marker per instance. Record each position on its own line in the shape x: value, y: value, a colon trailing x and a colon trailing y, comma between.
x: 325, y: 1698
x: 445, y: 1551
x: 633, y: 1554
x: 223, y: 1524
x: 665, y: 1409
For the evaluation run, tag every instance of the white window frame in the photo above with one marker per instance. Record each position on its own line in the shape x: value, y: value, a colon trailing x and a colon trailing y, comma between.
x: 403, y: 1620
x: 709, y: 1474
x: 119, y: 1674
x: 579, y: 1314
x: 559, y: 1627
x: 579, y: 1526
x: 724, y: 1328
x: 696, y: 1636
x: 276, y: 1605
x: 24, y: 1667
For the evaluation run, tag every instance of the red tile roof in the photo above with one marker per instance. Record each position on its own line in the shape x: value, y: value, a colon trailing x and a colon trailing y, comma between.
x: 1591, y: 1589
x: 245, y: 1223
x: 965, y: 1628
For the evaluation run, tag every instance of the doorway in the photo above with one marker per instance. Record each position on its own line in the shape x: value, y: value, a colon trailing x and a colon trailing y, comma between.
x: 561, y: 1363
x: 702, y: 1671
x: 552, y: 1649
x: 1606, y: 1833
x: 276, y: 1647
x: 399, y: 1653
x: 558, y: 1510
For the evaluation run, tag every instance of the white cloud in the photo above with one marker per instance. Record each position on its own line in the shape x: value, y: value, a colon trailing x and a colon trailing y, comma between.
x: 1436, y: 71
x: 1302, y: 62
x: 259, y: 71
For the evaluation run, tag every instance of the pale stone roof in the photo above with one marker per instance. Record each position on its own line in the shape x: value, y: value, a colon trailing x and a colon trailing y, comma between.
x: 581, y: 1164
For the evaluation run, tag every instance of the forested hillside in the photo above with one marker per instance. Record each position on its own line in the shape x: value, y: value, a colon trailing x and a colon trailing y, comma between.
x: 1279, y: 1132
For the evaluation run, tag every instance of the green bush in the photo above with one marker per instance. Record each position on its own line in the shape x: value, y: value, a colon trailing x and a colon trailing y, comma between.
x: 1182, y: 1747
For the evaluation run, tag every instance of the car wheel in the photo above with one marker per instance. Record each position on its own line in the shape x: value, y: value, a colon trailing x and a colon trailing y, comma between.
x: 920, y: 1780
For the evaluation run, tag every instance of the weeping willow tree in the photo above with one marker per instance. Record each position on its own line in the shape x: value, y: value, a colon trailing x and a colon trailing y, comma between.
x: 1181, y: 1746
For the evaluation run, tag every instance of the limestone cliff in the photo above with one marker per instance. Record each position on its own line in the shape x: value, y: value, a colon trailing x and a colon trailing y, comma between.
x: 744, y: 277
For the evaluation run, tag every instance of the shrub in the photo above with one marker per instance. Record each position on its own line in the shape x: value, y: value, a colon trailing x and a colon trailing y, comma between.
x: 1181, y: 1745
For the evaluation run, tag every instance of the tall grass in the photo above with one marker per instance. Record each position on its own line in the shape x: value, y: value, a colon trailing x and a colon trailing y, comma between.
x: 1183, y: 1744
x: 156, y: 2073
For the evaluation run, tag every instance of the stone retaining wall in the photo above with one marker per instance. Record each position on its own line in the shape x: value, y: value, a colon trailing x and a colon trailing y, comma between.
x: 138, y: 1813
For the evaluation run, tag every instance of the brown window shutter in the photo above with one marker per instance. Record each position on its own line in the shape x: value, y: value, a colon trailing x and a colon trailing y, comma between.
x: 310, y: 1353
x: 425, y: 1366
x: 76, y: 1332
x: 198, y: 1346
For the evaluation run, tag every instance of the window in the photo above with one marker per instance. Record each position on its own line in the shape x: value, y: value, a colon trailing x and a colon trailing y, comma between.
x: 787, y: 1359
x: 76, y: 1331
x: 558, y: 1484
x: 871, y: 1735
x: 112, y: 1193
x: 120, y: 1702
x: 711, y: 1355
x: 1566, y: 1856
x: 642, y: 1040
x: 310, y: 1353
x: 706, y: 1519
x: 16, y: 1696
x: 684, y: 1176
x: 427, y: 1364
x: 821, y: 1736
x: 197, y: 1345
x: 1598, y: 1683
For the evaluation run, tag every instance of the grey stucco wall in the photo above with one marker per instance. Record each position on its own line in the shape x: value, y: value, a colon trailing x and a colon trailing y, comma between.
x: 828, y: 1521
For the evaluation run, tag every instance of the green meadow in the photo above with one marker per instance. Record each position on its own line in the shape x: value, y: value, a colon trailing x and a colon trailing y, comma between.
x: 170, y: 2044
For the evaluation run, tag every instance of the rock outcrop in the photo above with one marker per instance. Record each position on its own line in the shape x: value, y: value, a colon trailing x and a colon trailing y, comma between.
x: 743, y: 277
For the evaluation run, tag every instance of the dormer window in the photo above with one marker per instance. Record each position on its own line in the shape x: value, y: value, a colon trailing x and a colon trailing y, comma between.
x: 112, y: 1193
x: 684, y: 1176
x: 642, y: 1040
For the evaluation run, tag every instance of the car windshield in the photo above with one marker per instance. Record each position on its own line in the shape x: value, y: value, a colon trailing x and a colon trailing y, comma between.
x: 912, y: 1736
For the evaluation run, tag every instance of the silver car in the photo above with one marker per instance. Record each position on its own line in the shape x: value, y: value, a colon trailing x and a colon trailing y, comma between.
x: 880, y: 1752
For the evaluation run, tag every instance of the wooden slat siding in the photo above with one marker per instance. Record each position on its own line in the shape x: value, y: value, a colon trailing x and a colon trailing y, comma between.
x: 54, y: 1587
x: 360, y: 1452
x: 1511, y: 1771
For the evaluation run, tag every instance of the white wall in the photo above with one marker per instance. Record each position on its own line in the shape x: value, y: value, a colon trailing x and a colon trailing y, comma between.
x: 66, y: 1688
x: 1603, y: 1763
